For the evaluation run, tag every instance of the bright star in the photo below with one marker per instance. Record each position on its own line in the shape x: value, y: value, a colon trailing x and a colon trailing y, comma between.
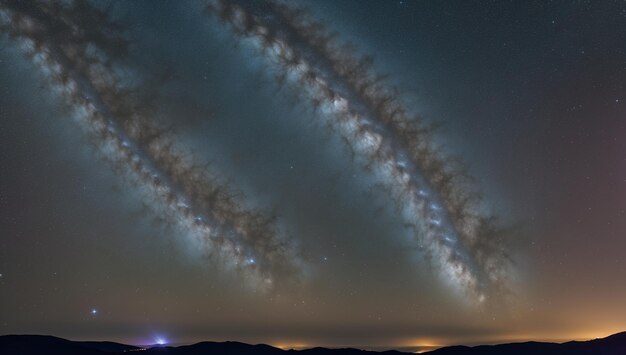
x: 94, y: 311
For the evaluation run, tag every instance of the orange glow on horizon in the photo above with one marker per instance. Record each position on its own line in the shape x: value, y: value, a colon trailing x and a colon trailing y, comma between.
x: 291, y: 345
x: 420, y: 345
x: 424, y: 344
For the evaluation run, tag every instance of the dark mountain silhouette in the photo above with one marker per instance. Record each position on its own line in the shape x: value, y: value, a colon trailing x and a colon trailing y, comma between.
x: 106, y: 346
x: 49, y: 345
x: 611, y: 345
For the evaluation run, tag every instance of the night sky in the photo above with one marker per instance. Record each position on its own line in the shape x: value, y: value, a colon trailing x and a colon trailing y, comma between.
x: 176, y: 173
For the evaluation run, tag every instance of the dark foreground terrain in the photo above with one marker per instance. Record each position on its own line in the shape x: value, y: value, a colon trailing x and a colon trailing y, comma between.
x: 49, y: 345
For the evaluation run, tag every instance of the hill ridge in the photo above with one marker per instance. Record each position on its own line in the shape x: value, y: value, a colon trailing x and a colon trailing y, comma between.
x: 25, y: 344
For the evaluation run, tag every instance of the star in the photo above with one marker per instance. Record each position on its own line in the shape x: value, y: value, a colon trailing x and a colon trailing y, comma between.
x: 94, y: 311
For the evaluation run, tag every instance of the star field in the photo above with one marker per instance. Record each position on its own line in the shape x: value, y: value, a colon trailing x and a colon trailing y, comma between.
x: 174, y: 172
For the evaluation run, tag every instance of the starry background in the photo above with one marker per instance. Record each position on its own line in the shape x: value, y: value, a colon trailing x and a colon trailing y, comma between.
x: 531, y: 95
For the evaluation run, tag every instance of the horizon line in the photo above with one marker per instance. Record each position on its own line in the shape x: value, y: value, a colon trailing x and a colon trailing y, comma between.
x: 410, y: 348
